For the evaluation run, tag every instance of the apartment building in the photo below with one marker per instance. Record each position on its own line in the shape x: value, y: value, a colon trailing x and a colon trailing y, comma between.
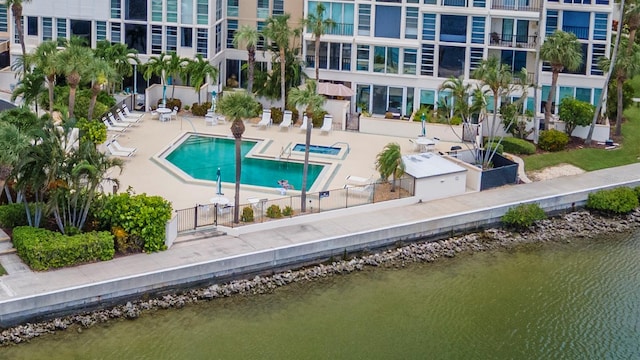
x: 396, y: 53
x: 188, y: 27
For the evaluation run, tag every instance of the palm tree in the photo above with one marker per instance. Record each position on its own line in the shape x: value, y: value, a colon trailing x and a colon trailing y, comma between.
x: 174, y: 67
x: 119, y: 56
x: 563, y: 51
x: 74, y: 62
x: 156, y: 66
x: 250, y: 36
x: 389, y: 163
x: 100, y: 74
x: 29, y: 88
x: 318, y: 26
x: 198, y: 70
x: 631, y: 16
x: 238, y: 105
x: 277, y: 29
x: 309, y: 98
x: 13, y: 142
x: 16, y: 9
x: 44, y: 59
x: 500, y: 81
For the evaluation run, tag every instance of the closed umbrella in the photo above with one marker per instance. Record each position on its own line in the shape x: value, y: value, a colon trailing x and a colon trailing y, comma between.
x: 424, y: 125
x: 218, y: 183
x: 164, y: 95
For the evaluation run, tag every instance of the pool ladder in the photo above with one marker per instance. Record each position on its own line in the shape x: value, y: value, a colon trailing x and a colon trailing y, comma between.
x: 283, y: 151
x: 343, y: 143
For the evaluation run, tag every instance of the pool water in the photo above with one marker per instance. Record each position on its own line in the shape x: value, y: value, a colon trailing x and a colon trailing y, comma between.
x: 317, y: 149
x: 201, y: 156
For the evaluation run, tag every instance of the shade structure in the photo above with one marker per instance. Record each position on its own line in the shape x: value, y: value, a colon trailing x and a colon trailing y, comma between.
x: 218, y: 183
x: 334, y: 90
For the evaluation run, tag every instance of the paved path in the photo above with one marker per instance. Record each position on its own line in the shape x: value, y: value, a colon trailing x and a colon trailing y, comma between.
x: 22, y: 282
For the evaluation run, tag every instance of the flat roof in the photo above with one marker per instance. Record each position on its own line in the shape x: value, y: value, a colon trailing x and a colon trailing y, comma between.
x: 429, y: 164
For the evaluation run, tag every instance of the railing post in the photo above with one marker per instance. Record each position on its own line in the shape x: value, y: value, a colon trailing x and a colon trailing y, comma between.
x: 215, y: 214
x: 195, y: 217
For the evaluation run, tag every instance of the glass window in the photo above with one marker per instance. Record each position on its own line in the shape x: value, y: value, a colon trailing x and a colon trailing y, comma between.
x: 386, y: 59
x: 156, y: 39
x: 218, y: 38
x: 32, y: 26
x: 583, y: 94
x: 202, y: 12
x: 597, y: 53
x: 388, y: 19
x: 261, y: 43
x: 278, y: 7
x: 477, y: 29
x: 596, y: 96
x: 363, y: 94
x: 411, y: 23
x: 600, y: 26
x: 453, y: 28
x: 81, y: 28
x: 583, y: 67
x: 566, y: 92
x: 135, y: 36
x: 232, y: 26
x: 410, y: 59
x: 115, y: 9
x: 552, y: 22
x: 101, y: 29
x: 232, y: 8
x: 362, y: 61
x: 202, y: 40
x: 156, y: 10
x: 263, y: 9
x: 4, y: 22
x: 427, y: 61
x: 47, y: 28
x: 475, y: 59
x: 186, y: 37
x: 186, y: 11
x: 428, y: 26
x: 576, y: 22
x: 427, y: 98
x: 61, y: 26
x: 115, y: 32
x: 364, y: 19
x: 379, y: 99
x: 172, y: 38
x: 172, y: 11
x: 460, y: 3
x: 480, y: 3
x: 135, y: 9
x: 451, y: 61
x: 346, y: 57
x: 218, y: 10
x: 334, y: 56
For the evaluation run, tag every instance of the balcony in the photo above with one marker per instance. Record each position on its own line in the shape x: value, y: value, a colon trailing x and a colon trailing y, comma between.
x: 340, y: 29
x: 581, y: 32
x: 334, y: 62
x: 513, y: 41
x: 517, y: 5
x: 530, y: 78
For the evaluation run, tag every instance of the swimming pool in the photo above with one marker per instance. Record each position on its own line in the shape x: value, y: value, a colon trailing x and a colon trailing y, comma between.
x: 201, y: 156
x: 318, y: 149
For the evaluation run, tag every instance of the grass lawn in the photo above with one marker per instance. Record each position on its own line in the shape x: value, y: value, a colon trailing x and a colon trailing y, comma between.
x: 594, y: 159
x: 2, y: 271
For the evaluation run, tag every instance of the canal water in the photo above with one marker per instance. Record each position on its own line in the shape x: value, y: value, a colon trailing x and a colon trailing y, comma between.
x: 574, y: 300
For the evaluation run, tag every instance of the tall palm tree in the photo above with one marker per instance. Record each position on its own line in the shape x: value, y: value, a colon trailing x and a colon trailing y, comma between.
x: 156, y: 66
x: 500, y: 81
x: 174, y: 67
x: 74, y: 62
x: 309, y: 98
x: 318, y: 26
x: 389, y: 163
x: 563, y: 51
x: 237, y: 105
x: 100, y: 73
x: 44, y: 59
x: 249, y: 36
x: 631, y: 17
x: 29, y: 88
x: 120, y: 57
x: 278, y: 31
x: 198, y: 69
x: 16, y: 9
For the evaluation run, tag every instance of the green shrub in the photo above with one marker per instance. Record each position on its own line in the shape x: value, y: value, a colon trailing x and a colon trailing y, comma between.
x: 637, y: 191
x: 12, y: 215
x: 456, y: 120
x: 200, y: 109
x: 94, y: 131
x: 108, y: 100
x: 276, y: 115
x: 553, y: 140
x: 274, y: 212
x: 43, y: 249
x: 81, y: 108
x: 489, y: 146
x: 288, y: 211
x: 187, y: 107
x: 518, y: 146
x: 247, y: 214
x: 139, y: 215
x: 317, y: 118
x: 523, y: 216
x: 620, y: 200
x: 171, y: 103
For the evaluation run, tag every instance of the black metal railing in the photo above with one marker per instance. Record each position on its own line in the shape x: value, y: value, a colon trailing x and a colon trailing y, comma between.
x: 340, y: 29
x: 518, y: 5
x: 510, y: 40
x: 581, y: 32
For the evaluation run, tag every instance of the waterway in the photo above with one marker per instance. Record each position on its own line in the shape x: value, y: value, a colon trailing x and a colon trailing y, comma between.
x: 569, y: 300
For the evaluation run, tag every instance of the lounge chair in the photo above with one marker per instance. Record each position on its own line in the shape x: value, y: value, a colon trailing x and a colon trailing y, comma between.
x: 154, y: 114
x: 129, y: 114
x: 266, y: 119
x: 125, y: 120
x: 119, y: 147
x: 111, y: 127
x: 286, y: 120
x: 210, y: 119
x: 327, y: 124
x: 174, y: 114
x: 352, y: 180
x: 115, y: 152
x: 305, y: 123
x: 114, y: 122
x: 361, y: 190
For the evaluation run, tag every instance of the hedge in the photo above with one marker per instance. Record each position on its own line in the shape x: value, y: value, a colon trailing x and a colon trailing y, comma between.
x: 43, y: 249
x: 523, y: 216
x: 620, y: 200
x: 518, y: 146
x: 12, y: 215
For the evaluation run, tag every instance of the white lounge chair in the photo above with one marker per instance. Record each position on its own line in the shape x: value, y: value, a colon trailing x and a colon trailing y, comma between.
x: 286, y: 120
x: 114, y: 122
x: 115, y: 152
x: 119, y: 147
x: 366, y: 190
x: 305, y: 120
x: 125, y: 120
x: 266, y: 119
x: 111, y: 127
x: 352, y: 180
x: 327, y: 124
x: 154, y: 114
x: 129, y: 114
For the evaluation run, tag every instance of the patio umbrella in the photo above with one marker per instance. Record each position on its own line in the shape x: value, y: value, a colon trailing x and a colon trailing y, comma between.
x: 424, y: 125
x: 218, y: 183
x: 334, y: 90
x: 213, y: 101
x: 164, y: 94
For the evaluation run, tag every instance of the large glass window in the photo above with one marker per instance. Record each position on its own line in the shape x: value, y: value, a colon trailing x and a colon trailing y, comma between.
x: 453, y: 28
x: 363, y: 94
x: 135, y: 9
x: 410, y: 59
x: 451, y: 61
x: 218, y: 38
x: 364, y: 19
x: 576, y: 22
x: 32, y: 26
x: 552, y: 22
x: 362, y: 61
x: 186, y: 11
x: 583, y: 94
x: 386, y: 59
x: 583, y: 67
x: 379, y: 99
x: 82, y: 29
x: 135, y: 36
x: 388, y: 20
x: 428, y: 26
x: 218, y: 10
x: 515, y: 59
x: 342, y: 15
x: 477, y: 29
x: 186, y: 37
x: 427, y: 99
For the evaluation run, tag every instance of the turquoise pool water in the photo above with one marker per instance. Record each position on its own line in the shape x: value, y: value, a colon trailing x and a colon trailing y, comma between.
x: 317, y: 149
x: 201, y: 156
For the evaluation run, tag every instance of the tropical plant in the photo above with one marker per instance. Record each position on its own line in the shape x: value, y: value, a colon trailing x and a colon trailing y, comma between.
x: 16, y: 9
x: 156, y: 66
x: 74, y: 62
x: 318, y: 26
x: 44, y: 60
x: 501, y: 82
x: 120, y: 57
x: 100, y: 73
x: 29, y: 88
x: 13, y: 143
x: 198, y: 69
x: 278, y: 31
x: 563, y: 51
x: 553, y: 140
x: 523, y: 216
x: 249, y: 36
x: 389, y: 163
x: 174, y: 68
x: 575, y: 113
x: 237, y: 106
x: 621, y: 200
x: 308, y: 98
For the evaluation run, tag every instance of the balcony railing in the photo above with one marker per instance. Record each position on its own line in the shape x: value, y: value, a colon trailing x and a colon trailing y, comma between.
x: 341, y: 29
x: 333, y: 64
x: 582, y: 32
x: 518, y: 5
x: 514, y: 41
x: 529, y: 79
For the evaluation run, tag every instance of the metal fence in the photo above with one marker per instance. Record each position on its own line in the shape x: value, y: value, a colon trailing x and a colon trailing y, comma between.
x: 215, y: 214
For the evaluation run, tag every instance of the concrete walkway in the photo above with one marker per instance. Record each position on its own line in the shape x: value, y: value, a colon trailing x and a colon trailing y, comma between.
x: 25, y: 293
